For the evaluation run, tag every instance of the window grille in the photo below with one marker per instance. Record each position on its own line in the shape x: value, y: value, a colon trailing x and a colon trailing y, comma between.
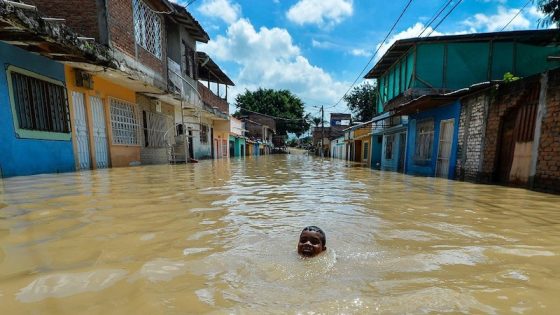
x: 424, y: 141
x: 203, y: 133
x: 147, y: 27
x: 389, y: 147
x: 40, y: 105
x: 366, y: 150
x: 124, y: 123
x: 155, y: 127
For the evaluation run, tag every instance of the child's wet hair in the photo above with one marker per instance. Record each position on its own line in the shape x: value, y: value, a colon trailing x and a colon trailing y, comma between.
x: 317, y: 229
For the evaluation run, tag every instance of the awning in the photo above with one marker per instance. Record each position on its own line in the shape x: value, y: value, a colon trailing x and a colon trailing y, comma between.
x: 208, y: 70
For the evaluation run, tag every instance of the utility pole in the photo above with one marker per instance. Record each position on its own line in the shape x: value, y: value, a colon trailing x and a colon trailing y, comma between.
x: 322, y: 130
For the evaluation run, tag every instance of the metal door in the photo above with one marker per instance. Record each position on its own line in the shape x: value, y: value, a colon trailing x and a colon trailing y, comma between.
x: 446, y: 128
x: 82, y: 133
x: 99, y: 133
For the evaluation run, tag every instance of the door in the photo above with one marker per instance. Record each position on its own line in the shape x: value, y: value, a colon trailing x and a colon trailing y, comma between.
x: 402, y: 152
x: 82, y: 132
x: 446, y: 128
x: 100, y: 145
x: 507, y: 147
x: 191, y: 146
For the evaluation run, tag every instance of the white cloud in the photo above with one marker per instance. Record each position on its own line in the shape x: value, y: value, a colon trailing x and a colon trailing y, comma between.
x: 495, y: 22
x: 222, y: 9
x: 323, y: 44
x: 268, y: 58
x: 360, y: 52
x: 320, y: 12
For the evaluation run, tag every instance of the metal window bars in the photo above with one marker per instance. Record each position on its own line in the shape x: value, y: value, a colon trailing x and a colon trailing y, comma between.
x: 155, y: 132
x: 124, y: 123
x: 147, y: 28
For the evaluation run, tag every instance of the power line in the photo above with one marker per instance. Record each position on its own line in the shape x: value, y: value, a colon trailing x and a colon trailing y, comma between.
x: 432, y: 20
x: 374, y: 54
x: 190, y: 2
x: 271, y: 116
x: 513, y: 18
x: 445, y: 17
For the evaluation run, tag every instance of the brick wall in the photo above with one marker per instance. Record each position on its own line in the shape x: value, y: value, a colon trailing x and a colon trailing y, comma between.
x: 80, y: 15
x: 212, y: 99
x: 507, y: 97
x: 121, y: 30
x: 472, y: 126
x: 547, y: 177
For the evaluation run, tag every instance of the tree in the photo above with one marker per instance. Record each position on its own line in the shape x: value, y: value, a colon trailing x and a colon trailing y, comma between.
x: 316, y: 121
x: 362, y: 102
x: 551, y: 10
x: 277, y: 103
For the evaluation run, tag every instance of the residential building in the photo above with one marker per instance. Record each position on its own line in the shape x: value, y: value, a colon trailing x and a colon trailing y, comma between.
x: 260, y: 129
x: 437, y: 67
x: 35, y: 118
x: 237, y: 142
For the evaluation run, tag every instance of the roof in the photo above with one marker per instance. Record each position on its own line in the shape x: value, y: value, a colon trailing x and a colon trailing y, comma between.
x: 22, y: 26
x: 401, y: 47
x: 208, y: 70
x: 435, y: 100
x: 183, y: 17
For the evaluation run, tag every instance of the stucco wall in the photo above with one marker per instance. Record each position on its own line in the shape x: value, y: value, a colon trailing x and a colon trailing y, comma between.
x: 29, y: 156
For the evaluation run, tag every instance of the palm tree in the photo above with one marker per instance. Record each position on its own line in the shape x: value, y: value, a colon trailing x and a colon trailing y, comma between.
x: 316, y: 121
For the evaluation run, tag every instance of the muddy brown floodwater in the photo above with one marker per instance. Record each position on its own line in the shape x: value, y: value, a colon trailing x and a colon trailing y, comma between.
x: 220, y: 237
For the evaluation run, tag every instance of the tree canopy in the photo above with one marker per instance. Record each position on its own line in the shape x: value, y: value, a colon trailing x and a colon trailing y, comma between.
x: 551, y: 10
x: 277, y: 103
x: 362, y: 101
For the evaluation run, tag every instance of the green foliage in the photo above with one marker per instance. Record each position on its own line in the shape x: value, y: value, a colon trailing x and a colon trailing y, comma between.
x: 292, y: 143
x: 316, y: 121
x: 278, y: 103
x: 509, y: 77
x: 551, y: 10
x: 361, y: 101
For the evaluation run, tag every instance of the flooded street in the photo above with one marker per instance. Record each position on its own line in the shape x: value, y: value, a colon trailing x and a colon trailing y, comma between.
x: 220, y: 237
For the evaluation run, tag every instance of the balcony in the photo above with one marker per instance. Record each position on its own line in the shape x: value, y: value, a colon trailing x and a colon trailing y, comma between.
x: 212, y: 100
x: 183, y: 86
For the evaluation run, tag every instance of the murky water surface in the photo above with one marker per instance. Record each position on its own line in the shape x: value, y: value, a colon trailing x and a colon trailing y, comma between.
x: 220, y: 237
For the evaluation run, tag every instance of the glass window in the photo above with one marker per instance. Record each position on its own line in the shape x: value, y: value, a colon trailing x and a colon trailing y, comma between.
x: 203, y: 133
x: 424, y: 141
x: 147, y: 28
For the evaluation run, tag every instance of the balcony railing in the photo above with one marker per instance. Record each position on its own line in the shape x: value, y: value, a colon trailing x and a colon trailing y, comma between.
x: 186, y: 87
x: 212, y: 100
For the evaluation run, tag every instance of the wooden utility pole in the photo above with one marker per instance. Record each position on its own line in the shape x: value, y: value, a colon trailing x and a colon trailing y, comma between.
x: 322, y: 130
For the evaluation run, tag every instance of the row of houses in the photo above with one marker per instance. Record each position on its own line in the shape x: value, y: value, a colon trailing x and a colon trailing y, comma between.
x: 476, y: 107
x: 92, y: 84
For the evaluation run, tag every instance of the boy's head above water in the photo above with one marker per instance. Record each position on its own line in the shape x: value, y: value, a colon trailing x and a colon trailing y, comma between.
x: 312, y: 241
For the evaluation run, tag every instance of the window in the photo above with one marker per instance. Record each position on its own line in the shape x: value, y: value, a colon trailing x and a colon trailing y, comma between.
x: 366, y: 150
x: 424, y: 141
x: 147, y: 27
x: 190, y: 64
x: 39, y: 105
x: 124, y: 123
x: 389, y: 140
x: 203, y: 133
x: 156, y: 128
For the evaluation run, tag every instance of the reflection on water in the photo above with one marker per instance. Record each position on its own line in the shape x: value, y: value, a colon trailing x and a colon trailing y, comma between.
x: 221, y: 237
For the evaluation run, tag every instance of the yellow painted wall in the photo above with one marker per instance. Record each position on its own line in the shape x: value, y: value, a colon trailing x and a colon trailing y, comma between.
x: 120, y: 155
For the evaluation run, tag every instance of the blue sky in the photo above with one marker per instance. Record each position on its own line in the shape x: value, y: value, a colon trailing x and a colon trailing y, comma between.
x: 317, y: 48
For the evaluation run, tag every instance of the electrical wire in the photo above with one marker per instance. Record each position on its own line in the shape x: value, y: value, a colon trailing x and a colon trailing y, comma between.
x: 432, y: 20
x: 445, y: 17
x: 271, y: 116
x: 374, y: 54
x: 515, y: 16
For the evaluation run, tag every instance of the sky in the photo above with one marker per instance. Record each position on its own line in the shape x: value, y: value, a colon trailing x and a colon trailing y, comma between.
x: 318, y: 48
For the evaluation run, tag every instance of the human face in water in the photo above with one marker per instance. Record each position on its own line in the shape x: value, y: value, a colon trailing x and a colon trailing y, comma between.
x: 310, y: 244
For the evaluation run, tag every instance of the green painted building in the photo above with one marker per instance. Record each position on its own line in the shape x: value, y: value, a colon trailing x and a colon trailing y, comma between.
x: 417, y: 66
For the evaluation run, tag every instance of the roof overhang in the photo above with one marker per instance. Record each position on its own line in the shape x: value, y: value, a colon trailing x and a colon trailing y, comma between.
x: 23, y: 27
x: 183, y: 17
x: 401, y: 47
x: 437, y: 100
x: 208, y: 70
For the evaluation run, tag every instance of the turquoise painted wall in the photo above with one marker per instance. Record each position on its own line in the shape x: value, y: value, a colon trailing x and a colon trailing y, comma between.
x: 459, y: 65
x: 29, y: 156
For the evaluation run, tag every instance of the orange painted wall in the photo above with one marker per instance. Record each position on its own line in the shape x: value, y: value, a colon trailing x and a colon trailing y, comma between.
x: 120, y: 155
